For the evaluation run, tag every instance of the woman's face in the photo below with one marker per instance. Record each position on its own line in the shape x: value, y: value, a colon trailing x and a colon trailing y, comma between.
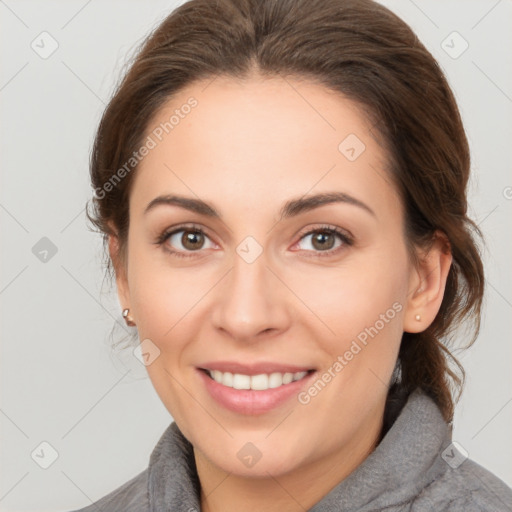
x: 275, y: 281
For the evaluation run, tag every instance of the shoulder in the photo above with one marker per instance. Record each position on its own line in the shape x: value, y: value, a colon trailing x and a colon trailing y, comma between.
x: 132, y: 496
x: 468, y: 487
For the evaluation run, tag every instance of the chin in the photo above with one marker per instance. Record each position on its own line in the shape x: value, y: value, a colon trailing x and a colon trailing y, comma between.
x: 249, y: 455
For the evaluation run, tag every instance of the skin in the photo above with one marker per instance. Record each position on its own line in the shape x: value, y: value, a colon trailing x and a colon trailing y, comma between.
x: 247, y: 148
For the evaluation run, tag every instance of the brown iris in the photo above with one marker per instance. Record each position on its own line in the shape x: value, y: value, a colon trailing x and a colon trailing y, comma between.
x: 192, y: 239
x: 321, y: 238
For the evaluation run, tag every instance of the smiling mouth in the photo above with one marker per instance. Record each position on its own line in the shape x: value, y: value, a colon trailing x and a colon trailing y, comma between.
x: 260, y: 382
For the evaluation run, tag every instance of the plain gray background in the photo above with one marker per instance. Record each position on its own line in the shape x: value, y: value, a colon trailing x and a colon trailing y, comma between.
x: 61, y: 383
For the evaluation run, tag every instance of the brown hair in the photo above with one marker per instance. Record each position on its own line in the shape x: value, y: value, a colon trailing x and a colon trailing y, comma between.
x: 362, y: 50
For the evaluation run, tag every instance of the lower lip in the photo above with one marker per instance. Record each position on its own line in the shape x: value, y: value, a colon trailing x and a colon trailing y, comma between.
x: 250, y: 401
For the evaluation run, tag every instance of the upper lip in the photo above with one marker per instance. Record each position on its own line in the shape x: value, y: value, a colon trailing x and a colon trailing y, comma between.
x: 254, y: 368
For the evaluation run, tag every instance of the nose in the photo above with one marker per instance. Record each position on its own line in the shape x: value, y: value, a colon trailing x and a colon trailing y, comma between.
x: 251, y: 302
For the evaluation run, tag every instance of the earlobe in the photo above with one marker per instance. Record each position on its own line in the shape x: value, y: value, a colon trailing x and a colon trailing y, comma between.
x: 427, y: 285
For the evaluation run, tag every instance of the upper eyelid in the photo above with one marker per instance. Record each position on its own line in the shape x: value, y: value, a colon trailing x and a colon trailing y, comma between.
x: 325, y: 227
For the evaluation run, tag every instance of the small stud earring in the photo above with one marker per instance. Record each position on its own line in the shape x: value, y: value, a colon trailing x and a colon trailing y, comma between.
x: 127, y: 318
x: 418, y: 317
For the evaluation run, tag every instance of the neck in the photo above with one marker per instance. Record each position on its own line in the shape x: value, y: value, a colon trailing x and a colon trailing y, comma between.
x: 291, y: 492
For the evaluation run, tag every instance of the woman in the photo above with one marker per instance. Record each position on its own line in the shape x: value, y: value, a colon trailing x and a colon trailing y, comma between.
x: 282, y: 188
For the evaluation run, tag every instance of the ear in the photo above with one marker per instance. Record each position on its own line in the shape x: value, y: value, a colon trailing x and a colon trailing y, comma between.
x: 119, y: 265
x: 427, y: 284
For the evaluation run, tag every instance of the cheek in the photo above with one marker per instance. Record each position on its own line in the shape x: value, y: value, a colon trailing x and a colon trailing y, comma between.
x: 354, y: 295
x: 164, y: 303
x: 167, y: 303
x: 159, y: 294
x: 359, y: 313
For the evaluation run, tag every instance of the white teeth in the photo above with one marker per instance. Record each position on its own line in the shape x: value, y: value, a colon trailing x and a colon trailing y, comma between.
x: 227, y: 379
x: 275, y: 380
x: 259, y: 382
x: 241, y: 381
x: 288, y: 377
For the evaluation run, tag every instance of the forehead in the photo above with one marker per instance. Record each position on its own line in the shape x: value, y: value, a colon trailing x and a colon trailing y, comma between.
x: 261, y: 139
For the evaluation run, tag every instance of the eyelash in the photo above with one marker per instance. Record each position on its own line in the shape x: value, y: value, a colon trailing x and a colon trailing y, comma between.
x: 332, y: 230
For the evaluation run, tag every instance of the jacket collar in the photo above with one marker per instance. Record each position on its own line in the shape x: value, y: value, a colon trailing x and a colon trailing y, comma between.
x: 405, y: 461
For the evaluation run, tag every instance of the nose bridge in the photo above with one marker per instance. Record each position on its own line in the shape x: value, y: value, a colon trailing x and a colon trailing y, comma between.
x: 249, y: 301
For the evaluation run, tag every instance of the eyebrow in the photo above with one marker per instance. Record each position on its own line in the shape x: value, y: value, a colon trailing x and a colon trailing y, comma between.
x: 291, y: 208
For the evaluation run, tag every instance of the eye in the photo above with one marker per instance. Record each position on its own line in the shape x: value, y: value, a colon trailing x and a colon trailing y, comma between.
x: 183, y: 240
x: 323, y: 240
